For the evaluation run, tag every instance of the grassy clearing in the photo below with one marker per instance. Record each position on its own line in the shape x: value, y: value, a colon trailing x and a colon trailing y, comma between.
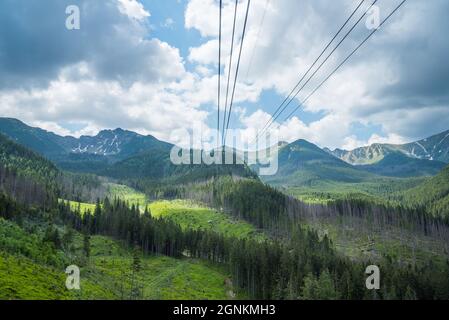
x: 110, y: 277
x: 80, y: 206
x: 31, y: 269
x: 122, y: 192
x: 190, y: 215
x: 128, y: 194
x: 21, y: 278
x: 160, y: 277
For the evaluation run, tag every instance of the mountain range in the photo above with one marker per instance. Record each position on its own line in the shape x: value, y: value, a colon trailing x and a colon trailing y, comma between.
x: 434, y: 148
x: 125, y: 154
x: 115, y: 144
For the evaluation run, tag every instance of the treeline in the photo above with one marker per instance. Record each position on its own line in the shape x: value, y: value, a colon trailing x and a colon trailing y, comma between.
x: 431, y: 196
x: 25, y: 164
x: 24, y: 189
x: 118, y: 220
x: 308, y: 268
x: 371, y: 215
x: 28, y: 162
x: 9, y: 209
x: 81, y: 187
x: 31, y: 191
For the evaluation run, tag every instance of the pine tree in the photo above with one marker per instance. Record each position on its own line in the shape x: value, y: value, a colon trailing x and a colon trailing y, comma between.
x: 326, y: 287
x: 309, y: 289
x: 410, y: 294
x: 136, y: 267
x: 86, y: 245
x: 67, y: 239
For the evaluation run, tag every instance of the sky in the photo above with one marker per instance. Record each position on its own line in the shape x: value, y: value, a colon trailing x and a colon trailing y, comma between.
x: 151, y: 66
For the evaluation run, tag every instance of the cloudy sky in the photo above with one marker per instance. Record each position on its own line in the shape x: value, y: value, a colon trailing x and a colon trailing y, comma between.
x: 151, y: 66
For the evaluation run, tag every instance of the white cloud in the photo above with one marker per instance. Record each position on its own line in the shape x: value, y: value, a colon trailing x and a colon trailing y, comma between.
x: 205, y: 54
x: 199, y: 15
x: 389, y: 83
x: 168, y: 23
x: 126, y: 78
x: 133, y: 9
x: 391, y: 138
x: 203, y: 70
x: 51, y: 126
x: 329, y: 131
x: 121, y: 79
x: 351, y: 142
x: 156, y: 109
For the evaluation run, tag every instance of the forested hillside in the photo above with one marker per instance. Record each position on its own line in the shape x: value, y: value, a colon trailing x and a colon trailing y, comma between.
x: 26, y: 162
x: 25, y: 175
x: 432, y: 195
x: 303, y: 163
x: 30, y: 178
x: 396, y: 164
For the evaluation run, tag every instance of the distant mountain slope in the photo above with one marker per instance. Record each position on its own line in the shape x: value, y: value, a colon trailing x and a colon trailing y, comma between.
x: 26, y: 162
x: 397, y: 164
x: 434, y: 148
x: 433, y: 194
x: 26, y: 176
x: 120, y: 143
x: 95, y: 154
x: 303, y: 163
x: 156, y: 165
x: 41, y: 141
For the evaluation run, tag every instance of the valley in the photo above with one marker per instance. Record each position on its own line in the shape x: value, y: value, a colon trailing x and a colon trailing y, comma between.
x: 142, y: 228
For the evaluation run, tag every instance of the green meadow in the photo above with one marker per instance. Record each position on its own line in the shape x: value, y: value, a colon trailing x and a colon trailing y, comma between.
x: 190, y: 215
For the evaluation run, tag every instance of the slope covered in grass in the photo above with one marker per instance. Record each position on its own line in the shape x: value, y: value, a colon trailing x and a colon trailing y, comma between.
x: 82, y: 207
x: 31, y: 268
x: 160, y: 277
x: 125, y: 193
x: 190, y: 215
x: 23, y: 279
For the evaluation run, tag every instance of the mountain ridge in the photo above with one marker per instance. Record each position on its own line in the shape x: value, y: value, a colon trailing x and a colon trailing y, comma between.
x: 304, y: 163
x: 433, y: 148
x: 114, y: 143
